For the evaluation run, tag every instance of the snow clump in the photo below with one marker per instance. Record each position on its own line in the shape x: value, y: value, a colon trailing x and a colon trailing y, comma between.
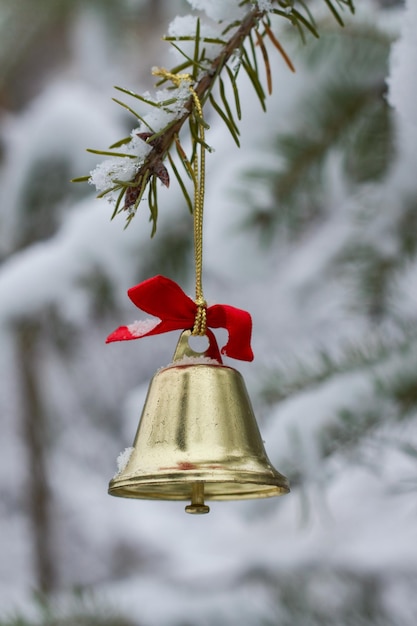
x: 123, y: 460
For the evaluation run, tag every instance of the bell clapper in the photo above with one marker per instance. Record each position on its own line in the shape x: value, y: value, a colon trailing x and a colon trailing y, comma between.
x: 197, y: 505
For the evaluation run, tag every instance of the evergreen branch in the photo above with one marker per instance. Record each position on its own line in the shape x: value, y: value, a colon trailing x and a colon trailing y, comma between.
x: 166, y: 136
x: 204, y: 73
x: 285, y: 382
x: 310, y: 152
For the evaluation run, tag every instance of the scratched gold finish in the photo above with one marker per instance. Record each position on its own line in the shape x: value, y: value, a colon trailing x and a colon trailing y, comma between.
x: 198, y: 439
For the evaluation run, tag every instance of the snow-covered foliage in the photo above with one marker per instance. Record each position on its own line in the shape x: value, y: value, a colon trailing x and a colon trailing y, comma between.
x: 206, y: 51
x: 338, y: 408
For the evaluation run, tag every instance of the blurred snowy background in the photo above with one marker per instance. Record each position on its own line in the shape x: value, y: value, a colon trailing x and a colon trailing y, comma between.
x: 312, y: 226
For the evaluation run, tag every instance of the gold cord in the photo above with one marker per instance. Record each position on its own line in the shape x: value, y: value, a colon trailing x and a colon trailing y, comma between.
x: 198, y: 163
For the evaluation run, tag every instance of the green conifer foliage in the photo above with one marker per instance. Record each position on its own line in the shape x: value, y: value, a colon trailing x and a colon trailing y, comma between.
x: 133, y: 173
x: 344, y: 112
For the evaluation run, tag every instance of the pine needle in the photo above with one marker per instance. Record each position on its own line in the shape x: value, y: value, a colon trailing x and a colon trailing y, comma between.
x: 189, y: 59
x: 113, y: 154
x: 80, y: 179
x: 235, y: 92
x: 121, y: 142
x: 266, y: 61
x: 153, y: 204
x: 225, y: 119
x: 138, y: 97
x: 117, y: 205
x: 181, y: 183
x: 335, y: 13
x: 254, y: 55
x: 300, y: 18
x: 184, y: 160
x: 196, y: 49
x: 106, y: 191
x: 139, y: 117
x: 253, y: 76
x: 227, y: 107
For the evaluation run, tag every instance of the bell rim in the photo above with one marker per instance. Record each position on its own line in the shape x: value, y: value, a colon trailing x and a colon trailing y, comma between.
x: 176, y: 486
x: 232, y: 496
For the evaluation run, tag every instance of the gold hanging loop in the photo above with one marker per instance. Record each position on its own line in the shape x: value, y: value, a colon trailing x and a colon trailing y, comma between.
x: 199, y: 169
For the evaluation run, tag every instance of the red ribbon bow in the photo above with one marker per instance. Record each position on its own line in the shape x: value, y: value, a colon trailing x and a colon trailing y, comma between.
x: 163, y: 298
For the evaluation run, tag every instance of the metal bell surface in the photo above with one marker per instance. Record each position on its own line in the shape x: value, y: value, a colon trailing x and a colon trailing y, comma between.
x: 197, y: 438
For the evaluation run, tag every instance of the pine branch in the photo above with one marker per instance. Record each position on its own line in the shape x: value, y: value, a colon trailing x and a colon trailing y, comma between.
x: 347, y: 115
x: 289, y: 380
x: 130, y: 179
x: 203, y: 90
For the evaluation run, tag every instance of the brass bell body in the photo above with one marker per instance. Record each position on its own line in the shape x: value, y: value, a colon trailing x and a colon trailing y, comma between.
x: 197, y: 438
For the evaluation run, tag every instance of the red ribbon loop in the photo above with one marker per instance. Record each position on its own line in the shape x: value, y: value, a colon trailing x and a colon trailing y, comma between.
x: 164, y: 299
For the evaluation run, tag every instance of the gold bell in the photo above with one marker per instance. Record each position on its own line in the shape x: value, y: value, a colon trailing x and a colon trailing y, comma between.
x: 197, y: 438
